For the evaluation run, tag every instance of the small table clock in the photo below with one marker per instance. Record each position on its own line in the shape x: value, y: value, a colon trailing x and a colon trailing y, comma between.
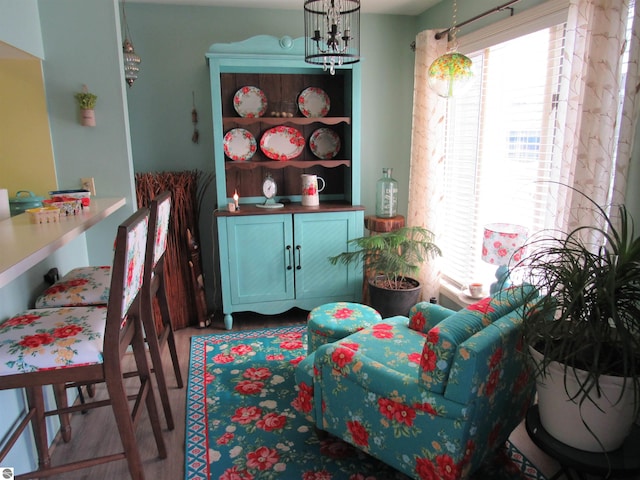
x: 269, y: 189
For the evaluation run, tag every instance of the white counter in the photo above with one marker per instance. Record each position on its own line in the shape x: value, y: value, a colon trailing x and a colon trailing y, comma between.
x: 24, y: 244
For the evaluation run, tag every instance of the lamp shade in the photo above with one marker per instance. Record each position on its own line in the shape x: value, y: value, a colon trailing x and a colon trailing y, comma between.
x: 450, y: 74
x: 501, y: 242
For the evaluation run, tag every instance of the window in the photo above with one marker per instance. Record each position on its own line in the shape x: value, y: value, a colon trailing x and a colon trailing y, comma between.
x: 500, y: 139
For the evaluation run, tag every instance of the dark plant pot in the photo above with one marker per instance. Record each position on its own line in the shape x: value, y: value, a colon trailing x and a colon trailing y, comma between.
x: 394, y: 302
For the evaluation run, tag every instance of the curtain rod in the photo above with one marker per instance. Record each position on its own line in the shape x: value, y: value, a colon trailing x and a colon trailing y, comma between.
x: 478, y: 17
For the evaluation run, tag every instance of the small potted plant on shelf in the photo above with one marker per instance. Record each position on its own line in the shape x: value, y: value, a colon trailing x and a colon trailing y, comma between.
x: 391, y: 260
x: 583, y: 331
x: 87, y: 103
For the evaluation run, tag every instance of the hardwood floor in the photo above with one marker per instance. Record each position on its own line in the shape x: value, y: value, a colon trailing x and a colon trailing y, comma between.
x: 95, y: 433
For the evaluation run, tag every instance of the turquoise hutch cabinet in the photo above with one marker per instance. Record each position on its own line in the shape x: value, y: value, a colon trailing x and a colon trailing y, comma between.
x: 276, y: 117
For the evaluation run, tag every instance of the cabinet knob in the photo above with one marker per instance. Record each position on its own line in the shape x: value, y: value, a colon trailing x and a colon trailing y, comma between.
x: 299, y: 249
x: 289, y: 267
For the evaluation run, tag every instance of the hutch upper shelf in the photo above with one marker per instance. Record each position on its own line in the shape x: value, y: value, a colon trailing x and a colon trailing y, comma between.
x: 276, y: 68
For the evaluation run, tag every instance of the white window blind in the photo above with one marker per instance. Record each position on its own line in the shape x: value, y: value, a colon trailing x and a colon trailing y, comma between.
x: 500, y: 136
x: 499, y: 145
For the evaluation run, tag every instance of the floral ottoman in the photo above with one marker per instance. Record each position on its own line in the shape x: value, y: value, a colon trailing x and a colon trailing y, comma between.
x: 334, y: 321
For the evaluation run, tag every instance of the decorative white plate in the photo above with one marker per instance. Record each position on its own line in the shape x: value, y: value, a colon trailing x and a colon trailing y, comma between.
x: 282, y: 143
x: 239, y: 144
x: 314, y: 102
x: 250, y: 102
x: 324, y: 143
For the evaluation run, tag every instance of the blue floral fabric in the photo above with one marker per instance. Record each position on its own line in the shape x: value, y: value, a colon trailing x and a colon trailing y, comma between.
x: 333, y: 321
x: 432, y: 404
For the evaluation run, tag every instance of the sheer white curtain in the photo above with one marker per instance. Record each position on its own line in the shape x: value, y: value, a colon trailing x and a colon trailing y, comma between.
x: 427, y: 152
x: 589, y: 109
x: 592, y: 158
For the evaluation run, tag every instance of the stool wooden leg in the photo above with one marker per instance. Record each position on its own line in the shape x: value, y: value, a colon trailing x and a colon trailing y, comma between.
x: 140, y: 355
x: 120, y: 406
x: 158, y: 369
x: 163, y: 305
x: 60, y: 392
x: 151, y: 334
x: 35, y: 400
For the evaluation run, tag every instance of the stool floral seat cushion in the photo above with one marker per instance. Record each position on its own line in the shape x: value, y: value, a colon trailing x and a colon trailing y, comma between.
x: 48, y: 339
x: 333, y: 321
x: 378, y: 388
x: 81, y: 286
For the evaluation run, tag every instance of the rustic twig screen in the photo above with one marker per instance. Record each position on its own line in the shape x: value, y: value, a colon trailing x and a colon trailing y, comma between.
x: 186, y: 190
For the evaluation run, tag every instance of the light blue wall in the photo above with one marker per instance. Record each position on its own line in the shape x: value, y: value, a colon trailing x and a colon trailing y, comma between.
x: 76, y: 49
x: 81, y: 43
x: 20, y: 26
x: 80, y: 52
x: 172, y: 41
x: 387, y: 98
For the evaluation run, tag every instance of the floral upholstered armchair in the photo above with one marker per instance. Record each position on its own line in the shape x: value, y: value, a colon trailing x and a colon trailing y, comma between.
x: 431, y: 395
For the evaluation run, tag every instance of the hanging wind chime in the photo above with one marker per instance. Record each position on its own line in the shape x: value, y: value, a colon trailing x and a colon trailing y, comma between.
x: 194, y: 119
x: 450, y: 74
x: 130, y: 58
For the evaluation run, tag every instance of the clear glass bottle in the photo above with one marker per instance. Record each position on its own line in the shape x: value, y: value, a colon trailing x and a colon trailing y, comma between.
x: 386, y: 195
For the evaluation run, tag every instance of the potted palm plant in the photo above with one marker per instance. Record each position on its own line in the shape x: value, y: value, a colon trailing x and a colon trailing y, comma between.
x: 391, y: 260
x: 583, y: 332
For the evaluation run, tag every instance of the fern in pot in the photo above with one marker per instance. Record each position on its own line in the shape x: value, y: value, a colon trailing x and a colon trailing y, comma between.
x: 583, y: 332
x: 391, y: 261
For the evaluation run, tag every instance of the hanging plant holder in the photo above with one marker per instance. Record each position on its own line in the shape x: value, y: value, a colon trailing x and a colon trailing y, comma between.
x: 87, y: 102
x: 88, y: 117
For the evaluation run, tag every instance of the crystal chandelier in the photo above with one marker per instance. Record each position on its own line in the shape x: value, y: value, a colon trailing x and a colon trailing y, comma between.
x: 332, y: 32
x: 450, y: 74
x: 131, y: 59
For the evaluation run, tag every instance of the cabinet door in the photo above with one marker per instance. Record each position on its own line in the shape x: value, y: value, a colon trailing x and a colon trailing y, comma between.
x: 260, y: 264
x: 317, y: 236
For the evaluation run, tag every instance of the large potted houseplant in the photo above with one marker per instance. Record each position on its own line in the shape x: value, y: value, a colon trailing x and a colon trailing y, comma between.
x: 583, y: 331
x: 392, y: 260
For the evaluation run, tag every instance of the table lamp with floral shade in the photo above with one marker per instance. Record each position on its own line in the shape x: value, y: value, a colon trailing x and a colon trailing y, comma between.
x: 502, y: 243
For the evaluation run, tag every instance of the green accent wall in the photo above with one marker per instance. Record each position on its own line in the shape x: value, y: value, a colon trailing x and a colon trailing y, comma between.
x: 172, y: 41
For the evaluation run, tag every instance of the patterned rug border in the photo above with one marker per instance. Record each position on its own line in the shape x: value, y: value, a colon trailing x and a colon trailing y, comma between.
x: 196, y: 416
x: 196, y: 408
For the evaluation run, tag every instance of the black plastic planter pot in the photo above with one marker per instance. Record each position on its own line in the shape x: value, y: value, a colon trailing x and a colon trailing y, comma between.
x: 394, y: 302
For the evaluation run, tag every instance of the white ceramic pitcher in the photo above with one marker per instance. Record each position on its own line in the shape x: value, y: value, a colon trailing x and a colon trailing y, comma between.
x: 310, y: 190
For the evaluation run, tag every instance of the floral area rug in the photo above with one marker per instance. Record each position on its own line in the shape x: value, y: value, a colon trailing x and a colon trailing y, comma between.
x: 241, y: 424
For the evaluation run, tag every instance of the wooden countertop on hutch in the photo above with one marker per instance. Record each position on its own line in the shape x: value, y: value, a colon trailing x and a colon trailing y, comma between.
x: 294, y: 207
x: 23, y: 244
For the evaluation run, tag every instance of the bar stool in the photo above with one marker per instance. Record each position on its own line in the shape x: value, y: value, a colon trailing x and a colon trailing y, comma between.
x: 80, y: 345
x: 89, y: 285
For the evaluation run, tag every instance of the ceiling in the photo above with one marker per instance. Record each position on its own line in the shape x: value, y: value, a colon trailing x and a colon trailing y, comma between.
x: 394, y: 7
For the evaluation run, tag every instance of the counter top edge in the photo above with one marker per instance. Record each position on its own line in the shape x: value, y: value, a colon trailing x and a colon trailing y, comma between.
x: 25, y: 244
